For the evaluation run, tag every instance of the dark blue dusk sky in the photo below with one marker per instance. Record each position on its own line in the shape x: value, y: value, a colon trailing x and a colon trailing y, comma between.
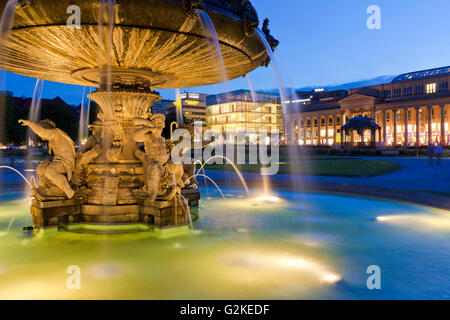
x: 326, y: 42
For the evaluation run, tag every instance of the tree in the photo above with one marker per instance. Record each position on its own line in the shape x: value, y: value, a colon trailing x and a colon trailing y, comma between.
x: 171, y: 117
x: 64, y: 116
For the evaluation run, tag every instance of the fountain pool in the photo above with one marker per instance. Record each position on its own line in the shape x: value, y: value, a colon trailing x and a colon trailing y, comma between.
x: 305, y: 246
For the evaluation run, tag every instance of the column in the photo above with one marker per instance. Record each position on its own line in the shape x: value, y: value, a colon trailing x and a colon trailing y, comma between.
x: 327, y: 118
x: 417, y: 126
x: 430, y: 129
x: 293, y: 131
x: 343, y: 137
x: 305, y: 120
x: 319, y: 127
x: 373, y: 137
x: 405, y: 110
x: 442, y: 125
x: 394, y: 132
x: 310, y: 128
x: 334, y: 129
x: 384, y: 127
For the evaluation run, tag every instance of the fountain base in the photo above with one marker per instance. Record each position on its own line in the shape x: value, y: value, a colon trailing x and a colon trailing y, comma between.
x: 153, y: 214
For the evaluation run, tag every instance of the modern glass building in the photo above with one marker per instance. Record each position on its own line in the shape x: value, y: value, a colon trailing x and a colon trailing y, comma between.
x: 238, y: 111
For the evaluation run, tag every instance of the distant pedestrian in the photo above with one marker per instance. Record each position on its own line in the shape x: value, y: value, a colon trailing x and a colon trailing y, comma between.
x: 438, y: 152
x: 430, y: 153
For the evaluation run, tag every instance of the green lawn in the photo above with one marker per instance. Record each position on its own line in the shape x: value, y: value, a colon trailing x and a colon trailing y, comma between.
x: 338, y: 168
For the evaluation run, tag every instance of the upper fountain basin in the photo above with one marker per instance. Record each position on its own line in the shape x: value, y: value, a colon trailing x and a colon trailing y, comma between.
x: 158, y: 43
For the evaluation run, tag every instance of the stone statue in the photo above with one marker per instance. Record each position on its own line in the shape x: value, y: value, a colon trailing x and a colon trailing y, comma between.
x: 191, y: 7
x: 54, y: 175
x: 92, y: 149
x: 272, y: 41
x: 162, y: 177
x: 250, y: 20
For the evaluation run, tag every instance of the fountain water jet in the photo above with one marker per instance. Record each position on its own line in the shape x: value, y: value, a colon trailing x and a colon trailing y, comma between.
x: 82, y: 123
x: 213, y: 182
x: 265, y: 178
x: 33, y: 115
x: 294, y: 98
x: 238, y: 172
x: 179, y: 108
x: 191, y: 225
x: 83, y: 126
x: 35, y: 107
x: 213, y: 40
x: 252, y: 89
x: 106, y: 19
x: 7, y: 20
x: 286, y: 101
x: 6, y: 24
x: 196, y: 162
x: 29, y: 182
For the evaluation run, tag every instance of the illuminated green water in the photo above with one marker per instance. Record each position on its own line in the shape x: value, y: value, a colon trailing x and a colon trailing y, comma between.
x: 309, y: 246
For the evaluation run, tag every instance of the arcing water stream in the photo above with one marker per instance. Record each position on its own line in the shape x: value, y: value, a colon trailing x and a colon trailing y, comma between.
x: 213, y: 40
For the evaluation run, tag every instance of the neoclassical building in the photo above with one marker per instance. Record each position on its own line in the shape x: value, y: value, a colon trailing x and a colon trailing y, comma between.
x: 412, y: 110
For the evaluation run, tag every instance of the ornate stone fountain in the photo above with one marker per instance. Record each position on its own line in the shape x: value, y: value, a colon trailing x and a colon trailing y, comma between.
x: 126, y: 50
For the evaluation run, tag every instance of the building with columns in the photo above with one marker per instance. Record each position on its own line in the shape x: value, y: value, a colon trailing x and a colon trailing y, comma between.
x: 412, y: 110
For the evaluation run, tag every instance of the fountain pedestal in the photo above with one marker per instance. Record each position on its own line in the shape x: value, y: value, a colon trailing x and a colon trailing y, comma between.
x: 62, y: 214
x: 111, y: 178
x: 163, y: 214
x: 47, y: 213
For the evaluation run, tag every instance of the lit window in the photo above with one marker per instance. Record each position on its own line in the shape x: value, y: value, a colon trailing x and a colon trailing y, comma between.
x: 431, y: 88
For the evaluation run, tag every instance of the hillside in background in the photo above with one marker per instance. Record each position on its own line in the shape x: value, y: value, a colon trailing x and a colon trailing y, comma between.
x: 342, y: 86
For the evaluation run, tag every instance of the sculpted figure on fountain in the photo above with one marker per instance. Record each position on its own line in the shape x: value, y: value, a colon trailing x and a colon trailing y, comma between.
x: 92, y: 149
x: 250, y: 20
x: 55, y: 174
x: 162, y: 178
x: 116, y: 129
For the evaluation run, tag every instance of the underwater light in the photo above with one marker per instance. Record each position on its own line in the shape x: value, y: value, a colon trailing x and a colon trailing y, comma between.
x: 267, y: 198
x: 291, y: 263
x: 420, y: 221
x: 331, y: 278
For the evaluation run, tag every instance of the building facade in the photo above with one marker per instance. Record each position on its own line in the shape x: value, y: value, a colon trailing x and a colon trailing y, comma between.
x: 237, y: 112
x: 412, y: 110
x: 164, y: 107
x: 194, y: 107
